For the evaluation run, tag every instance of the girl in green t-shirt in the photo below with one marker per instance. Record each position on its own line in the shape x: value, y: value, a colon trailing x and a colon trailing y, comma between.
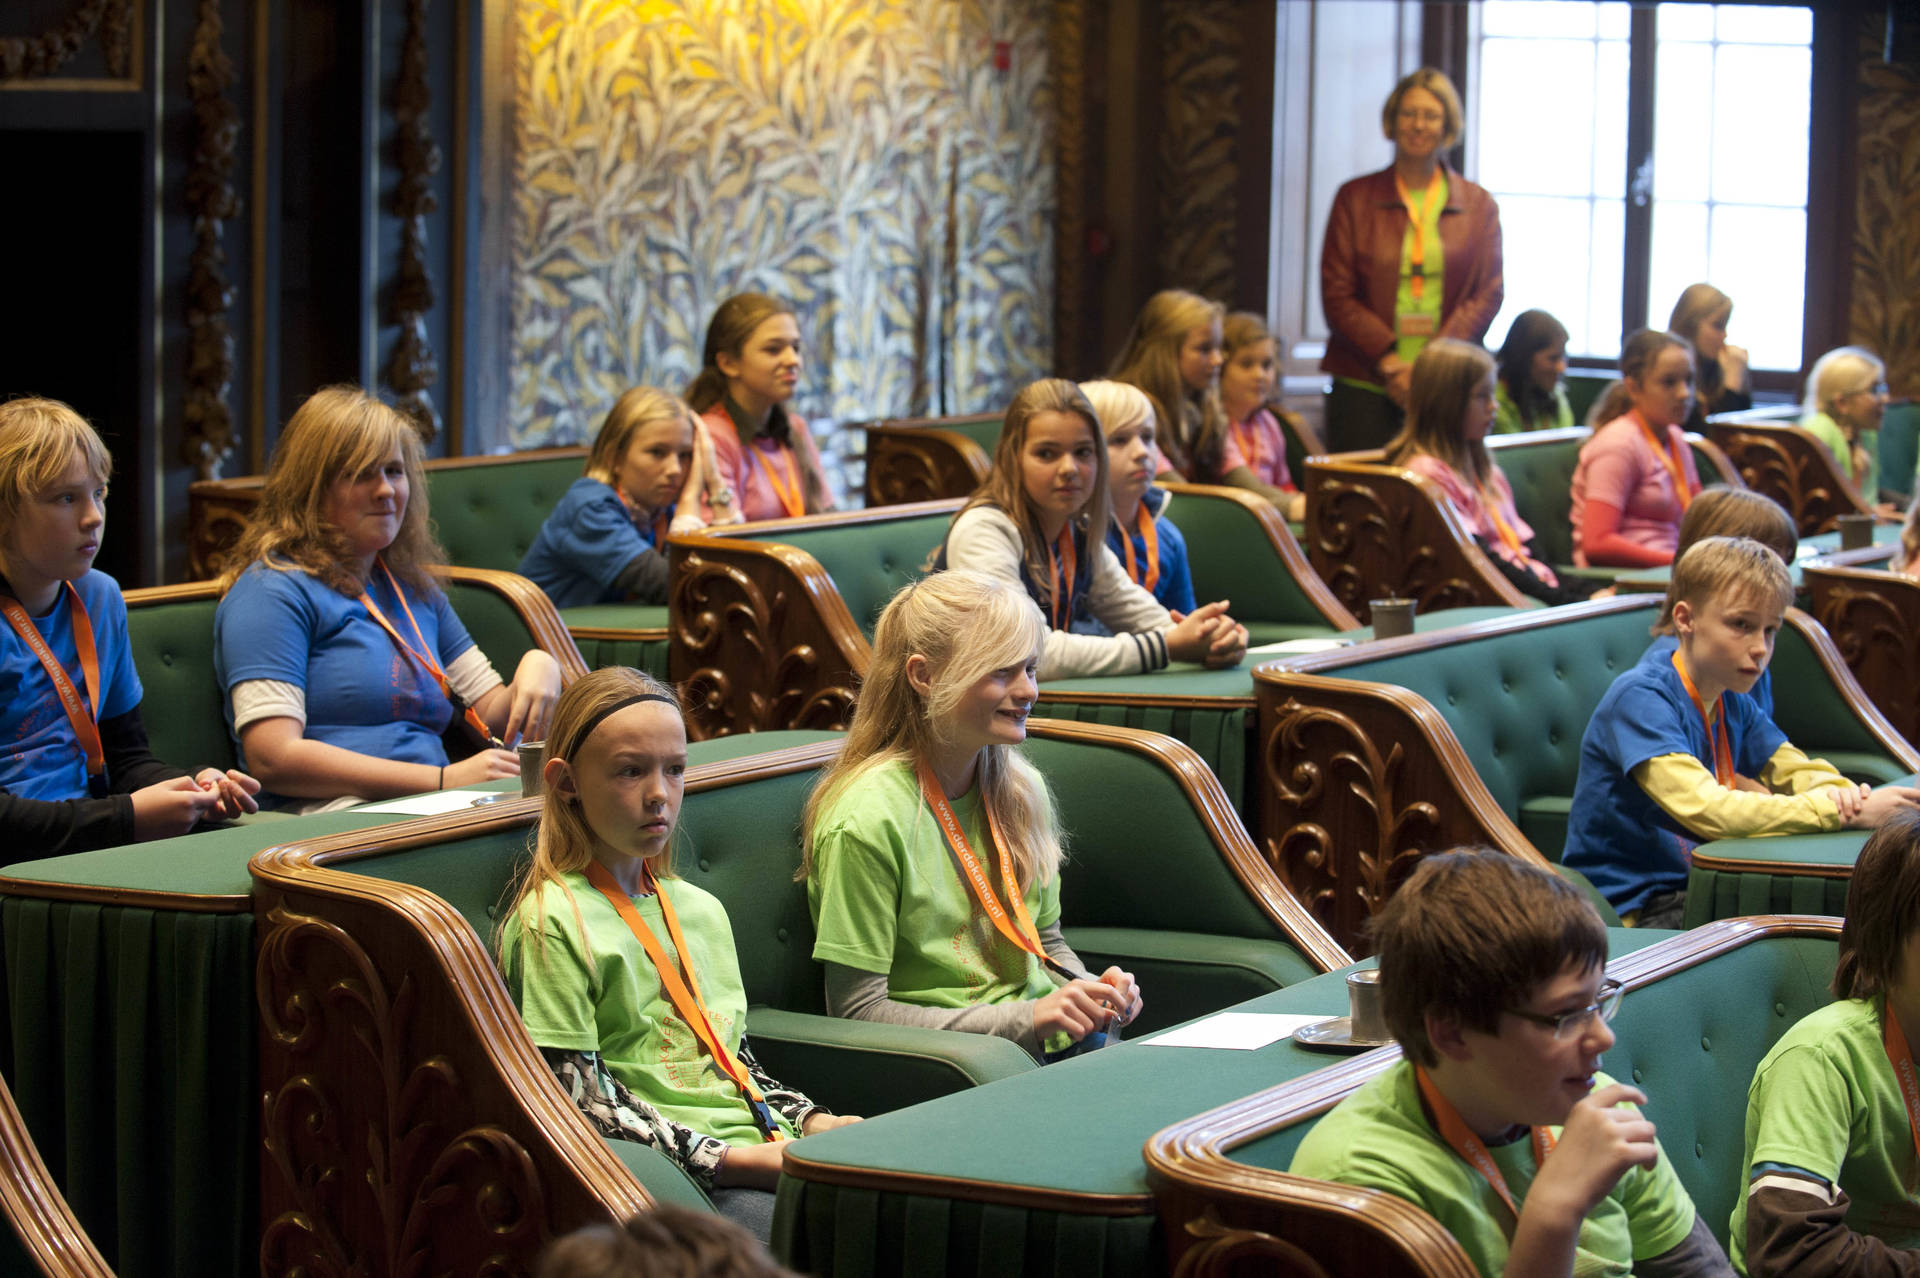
x: 932, y: 853
x: 625, y: 974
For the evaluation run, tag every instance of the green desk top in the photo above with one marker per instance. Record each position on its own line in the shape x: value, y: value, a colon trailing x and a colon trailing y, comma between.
x: 1093, y: 1114
x: 1842, y: 847
x: 1810, y: 547
x: 214, y: 862
x: 1184, y: 679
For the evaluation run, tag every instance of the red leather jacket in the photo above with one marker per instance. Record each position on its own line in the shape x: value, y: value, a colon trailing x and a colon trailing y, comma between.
x: 1360, y: 269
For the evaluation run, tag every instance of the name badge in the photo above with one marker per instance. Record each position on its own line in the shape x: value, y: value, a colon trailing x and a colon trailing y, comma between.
x: 1416, y: 324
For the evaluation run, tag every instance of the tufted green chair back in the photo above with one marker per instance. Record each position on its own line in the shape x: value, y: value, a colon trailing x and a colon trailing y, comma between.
x: 1899, y: 447
x: 171, y: 632
x: 1229, y: 554
x: 487, y: 515
x: 870, y: 561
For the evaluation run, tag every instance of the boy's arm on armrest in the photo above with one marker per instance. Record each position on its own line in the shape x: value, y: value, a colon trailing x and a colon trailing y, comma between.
x: 1687, y: 792
x: 1791, y: 772
x: 1797, y: 1225
x: 1698, y: 1255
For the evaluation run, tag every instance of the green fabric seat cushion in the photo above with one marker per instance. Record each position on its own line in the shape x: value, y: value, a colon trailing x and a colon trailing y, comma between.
x: 488, y: 516
x: 649, y: 655
x: 1543, y: 819
x: 897, y: 1065
x: 1872, y: 767
x: 1184, y: 975
x: 180, y: 700
x: 870, y: 562
x: 494, y: 623
x: 660, y: 1175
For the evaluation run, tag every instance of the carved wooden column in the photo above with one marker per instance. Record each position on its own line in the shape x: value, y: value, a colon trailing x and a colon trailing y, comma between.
x: 211, y: 201
x: 413, y: 370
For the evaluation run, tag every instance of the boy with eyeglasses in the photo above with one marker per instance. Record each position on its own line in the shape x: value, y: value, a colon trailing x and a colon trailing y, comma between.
x: 1497, y: 1121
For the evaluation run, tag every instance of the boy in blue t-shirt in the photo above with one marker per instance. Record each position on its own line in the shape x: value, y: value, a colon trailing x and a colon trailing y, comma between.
x: 75, y: 770
x: 1497, y: 1120
x: 1669, y: 761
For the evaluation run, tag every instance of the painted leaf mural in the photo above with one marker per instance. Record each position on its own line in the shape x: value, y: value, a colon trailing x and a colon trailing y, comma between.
x: 866, y: 160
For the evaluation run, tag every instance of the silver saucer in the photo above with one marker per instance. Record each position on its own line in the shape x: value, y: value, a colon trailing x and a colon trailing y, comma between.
x: 1336, y: 1035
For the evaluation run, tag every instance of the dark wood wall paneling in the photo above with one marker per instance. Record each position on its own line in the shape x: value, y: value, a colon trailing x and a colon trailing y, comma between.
x: 217, y: 227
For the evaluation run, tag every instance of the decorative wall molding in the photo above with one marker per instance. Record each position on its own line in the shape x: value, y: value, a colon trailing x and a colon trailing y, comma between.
x: 39, y: 56
x: 413, y: 370
x: 1198, y: 161
x: 1067, y: 41
x: 211, y: 201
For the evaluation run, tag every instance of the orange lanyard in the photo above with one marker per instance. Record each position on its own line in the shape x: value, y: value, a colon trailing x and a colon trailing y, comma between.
x: 1508, y: 536
x: 1060, y: 552
x: 424, y: 654
x: 86, y: 727
x: 1902, y: 1061
x: 1471, y: 1149
x: 683, y: 994
x: 1417, y: 257
x: 1667, y: 458
x: 661, y: 519
x: 1149, y: 534
x: 1246, y: 439
x: 1018, y: 929
x: 1716, y: 727
x: 793, y: 498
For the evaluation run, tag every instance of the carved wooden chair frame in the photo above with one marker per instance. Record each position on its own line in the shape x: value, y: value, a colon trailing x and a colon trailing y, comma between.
x: 50, y: 1234
x: 1220, y: 1214
x: 1873, y: 615
x: 392, y: 1057
x: 914, y: 459
x: 1787, y: 463
x: 759, y: 636
x: 1361, y: 779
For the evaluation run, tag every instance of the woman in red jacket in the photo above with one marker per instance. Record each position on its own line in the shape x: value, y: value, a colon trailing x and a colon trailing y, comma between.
x: 1411, y: 253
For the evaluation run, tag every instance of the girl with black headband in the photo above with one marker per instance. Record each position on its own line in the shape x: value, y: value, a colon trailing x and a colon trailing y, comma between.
x: 626, y: 975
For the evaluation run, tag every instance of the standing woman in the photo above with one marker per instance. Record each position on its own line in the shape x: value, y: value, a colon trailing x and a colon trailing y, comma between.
x: 1701, y: 316
x: 763, y: 453
x: 341, y: 660
x: 1411, y: 253
x: 1532, y: 361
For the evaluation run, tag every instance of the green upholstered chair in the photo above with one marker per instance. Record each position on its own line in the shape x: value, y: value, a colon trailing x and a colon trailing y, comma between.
x: 1239, y: 549
x: 913, y: 459
x: 1583, y: 387
x: 170, y: 629
x: 1899, y: 448
x: 1374, y: 755
x: 1779, y: 459
x: 1701, y: 1010
x: 382, y: 1009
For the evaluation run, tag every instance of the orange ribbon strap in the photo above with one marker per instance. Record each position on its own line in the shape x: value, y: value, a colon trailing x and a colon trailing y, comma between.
x: 1018, y: 928
x: 1716, y: 727
x: 787, y: 488
x: 86, y: 726
x: 1472, y: 1150
x: 1901, y: 1058
x: 1668, y: 459
x: 684, y: 994
x: 1508, y: 536
x: 1150, y: 535
x: 424, y: 655
x: 1062, y: 552
x: 1417, y: 217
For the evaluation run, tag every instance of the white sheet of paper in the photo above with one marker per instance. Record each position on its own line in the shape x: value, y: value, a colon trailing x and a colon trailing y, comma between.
x: 1234, y: 1031
x: 1294, y: 647
x: 432, y: 804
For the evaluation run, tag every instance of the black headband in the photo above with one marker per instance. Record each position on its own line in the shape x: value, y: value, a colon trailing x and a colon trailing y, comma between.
x: 615, y: 708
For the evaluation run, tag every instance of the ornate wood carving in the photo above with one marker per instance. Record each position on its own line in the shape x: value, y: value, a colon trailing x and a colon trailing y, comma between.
x: 413, y: 370
x: 374, y: 1158
x: 1793, y: 468
x: 1376, y: 532
x: 747, y: 643
x: 32, y: 57
x: 211, y: 201
x: 920, y: 463
x: 1216, y: 1250
x: 1067, y: 40
x: 1873, y: 618
x: 217, y: 513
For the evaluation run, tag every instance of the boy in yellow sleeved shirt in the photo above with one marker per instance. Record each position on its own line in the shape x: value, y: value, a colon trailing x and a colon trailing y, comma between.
x: 1677, y: 755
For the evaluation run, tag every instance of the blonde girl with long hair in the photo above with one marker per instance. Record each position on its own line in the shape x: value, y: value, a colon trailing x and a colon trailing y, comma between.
x: 1173, y: 354
x: 341, y: 661
x: 606, y: 540
x: 764, y: 458
x: 625, y: 974
x: 1845, y: 402
x: 1038, y: 521
x: 932, y: 847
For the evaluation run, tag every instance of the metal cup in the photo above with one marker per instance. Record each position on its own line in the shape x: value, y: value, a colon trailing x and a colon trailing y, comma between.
x: 1366, y: 1012
x: 1391, y: 617
x: 533, y: 758
x: 1856, y: 532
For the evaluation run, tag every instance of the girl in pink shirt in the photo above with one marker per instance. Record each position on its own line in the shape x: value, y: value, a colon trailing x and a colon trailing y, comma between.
x: 1255, y: 452
x: 762, y: 453
x: 1636, y: 475
x: 1450, y: 407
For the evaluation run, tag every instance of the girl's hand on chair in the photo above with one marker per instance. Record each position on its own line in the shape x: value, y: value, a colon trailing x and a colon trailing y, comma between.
x: 754, y: 1165
x: 1129, y: 991
x: 821, y: 1121
x: 1076, y: 1009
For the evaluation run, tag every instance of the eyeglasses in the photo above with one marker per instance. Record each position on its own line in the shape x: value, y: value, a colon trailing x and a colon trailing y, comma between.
x: 1414, y: 115
x: 1566, y: 1024
x: 1876, y: 390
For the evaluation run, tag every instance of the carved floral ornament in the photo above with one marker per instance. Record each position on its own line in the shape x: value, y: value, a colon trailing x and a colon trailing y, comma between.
x: 34, y: 57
